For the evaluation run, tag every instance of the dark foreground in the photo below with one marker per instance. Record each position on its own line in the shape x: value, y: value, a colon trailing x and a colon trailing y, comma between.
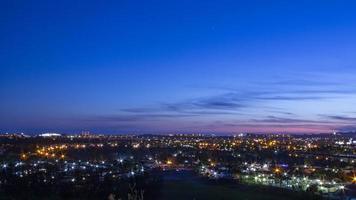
x: 160, y: 185
x: 185, y: 185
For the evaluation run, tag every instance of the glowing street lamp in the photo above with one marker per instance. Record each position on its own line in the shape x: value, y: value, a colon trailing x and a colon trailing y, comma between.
x: 277, y: 170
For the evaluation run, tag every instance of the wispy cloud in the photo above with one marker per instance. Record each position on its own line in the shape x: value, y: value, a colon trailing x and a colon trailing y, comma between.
x: 267, y: 107
x: 341, y: 118
x: 280, y: 120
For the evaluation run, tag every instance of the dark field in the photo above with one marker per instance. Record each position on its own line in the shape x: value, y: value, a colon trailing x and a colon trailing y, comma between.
x: 169, y: 185
x: 185, y: 185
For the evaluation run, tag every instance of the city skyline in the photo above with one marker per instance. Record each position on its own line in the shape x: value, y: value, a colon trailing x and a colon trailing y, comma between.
x: 178, y: 66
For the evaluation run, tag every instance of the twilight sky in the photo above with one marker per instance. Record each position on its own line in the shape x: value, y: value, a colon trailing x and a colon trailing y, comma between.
x: 128, y: 66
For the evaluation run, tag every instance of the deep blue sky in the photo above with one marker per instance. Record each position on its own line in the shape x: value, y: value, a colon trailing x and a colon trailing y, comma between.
x: 178, y: 66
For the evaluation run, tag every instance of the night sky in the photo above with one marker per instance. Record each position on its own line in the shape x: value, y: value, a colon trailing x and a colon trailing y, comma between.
x: 168, y: 66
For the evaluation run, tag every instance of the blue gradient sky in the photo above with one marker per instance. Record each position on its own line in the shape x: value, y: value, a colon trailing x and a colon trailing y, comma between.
x: 178, y: 66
